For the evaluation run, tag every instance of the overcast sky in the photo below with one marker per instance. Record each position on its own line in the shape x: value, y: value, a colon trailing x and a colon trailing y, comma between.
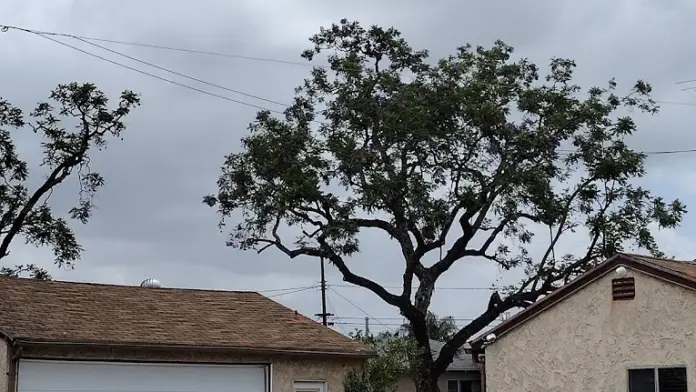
x: 151, y: 222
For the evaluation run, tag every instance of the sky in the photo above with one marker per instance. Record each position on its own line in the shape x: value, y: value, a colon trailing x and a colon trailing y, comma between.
x: 150, y: 220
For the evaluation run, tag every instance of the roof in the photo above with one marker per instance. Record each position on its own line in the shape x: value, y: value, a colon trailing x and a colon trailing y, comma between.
x: 462, y: 362
x: 66, y: 312
x: 678, y: 272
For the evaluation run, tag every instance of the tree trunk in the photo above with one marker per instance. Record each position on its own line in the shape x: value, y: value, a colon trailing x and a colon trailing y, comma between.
x: 424, y: 380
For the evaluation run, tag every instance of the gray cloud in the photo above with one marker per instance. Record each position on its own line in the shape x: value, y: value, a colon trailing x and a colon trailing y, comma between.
x: 151, y: 221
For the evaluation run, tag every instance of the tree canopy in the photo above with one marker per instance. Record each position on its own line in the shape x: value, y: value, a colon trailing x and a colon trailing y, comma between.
x: 25, y: 211
x: 475, y: 153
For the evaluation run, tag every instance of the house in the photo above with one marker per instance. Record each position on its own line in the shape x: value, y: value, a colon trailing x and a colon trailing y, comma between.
x: 462, y: 375
x: 629, y: 324
x: 61, y: 336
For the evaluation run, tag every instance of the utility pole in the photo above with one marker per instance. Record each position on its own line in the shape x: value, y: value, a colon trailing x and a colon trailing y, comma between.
x: 367, y: 326
x: 324, y: 315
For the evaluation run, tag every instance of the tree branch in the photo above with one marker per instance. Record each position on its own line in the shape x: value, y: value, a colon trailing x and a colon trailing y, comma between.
x: 350, y: 277
x: 496, y: 307
x: 57, y: 176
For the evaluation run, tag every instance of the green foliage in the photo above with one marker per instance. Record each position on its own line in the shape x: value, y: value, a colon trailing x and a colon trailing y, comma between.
x: 25, y: 212
x: 476, y: 147
x: 381, y: 374
x: 441, y: 329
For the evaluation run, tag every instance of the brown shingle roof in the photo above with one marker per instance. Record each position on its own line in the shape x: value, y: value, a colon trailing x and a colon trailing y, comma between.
x: 109, y: 314
x: 686, y: 268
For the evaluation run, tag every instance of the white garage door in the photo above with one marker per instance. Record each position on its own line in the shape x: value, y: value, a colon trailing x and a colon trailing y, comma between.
x: 81, y: 376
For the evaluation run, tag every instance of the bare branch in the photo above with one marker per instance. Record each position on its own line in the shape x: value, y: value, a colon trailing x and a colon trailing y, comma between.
x: 350, y: 277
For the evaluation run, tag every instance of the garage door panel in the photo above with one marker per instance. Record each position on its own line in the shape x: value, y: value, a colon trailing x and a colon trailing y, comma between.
x: 81, y: 376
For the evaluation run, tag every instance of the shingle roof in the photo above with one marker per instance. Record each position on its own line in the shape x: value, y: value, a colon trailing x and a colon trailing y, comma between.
x: 676, y: 271
x: 686, y: 268
x: 108, y: 314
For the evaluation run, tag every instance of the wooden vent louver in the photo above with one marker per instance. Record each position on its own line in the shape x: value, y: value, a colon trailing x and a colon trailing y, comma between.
x: 623, y: 289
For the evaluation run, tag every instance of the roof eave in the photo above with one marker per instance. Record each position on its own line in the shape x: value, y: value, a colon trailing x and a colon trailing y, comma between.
x: 198, y: 348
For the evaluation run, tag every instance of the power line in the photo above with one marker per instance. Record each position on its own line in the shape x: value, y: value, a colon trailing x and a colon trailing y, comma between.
x: 218, y: 54
x: 162, y: 47
x: 387, y: 325
x: 285, y: 289
x: 332, y: 308
x: 183, y: 75
x: 357, y: 307
x: 290, y: 292
x: 436, y: 287
x: 227, y: 55
x: 348, y: 318
x: 156, y: 76
x: 46, y: 35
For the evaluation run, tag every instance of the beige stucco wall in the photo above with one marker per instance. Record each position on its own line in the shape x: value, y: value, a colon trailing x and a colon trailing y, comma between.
x: 4, y: 365
x: 407, y: 385
x: 588, y: 342
x: 285, y: 369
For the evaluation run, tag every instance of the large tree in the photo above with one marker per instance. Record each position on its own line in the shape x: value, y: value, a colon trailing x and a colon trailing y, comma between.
x: 76, y: 122
x: 474, y: 153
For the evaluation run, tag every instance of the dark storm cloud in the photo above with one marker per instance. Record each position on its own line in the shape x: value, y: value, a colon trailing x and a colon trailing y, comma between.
x: 150, y: 219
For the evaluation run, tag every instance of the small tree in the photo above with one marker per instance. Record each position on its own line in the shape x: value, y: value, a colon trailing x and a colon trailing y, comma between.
x: 382, y: 373
x: 26, y: 212
x: 472, y: 153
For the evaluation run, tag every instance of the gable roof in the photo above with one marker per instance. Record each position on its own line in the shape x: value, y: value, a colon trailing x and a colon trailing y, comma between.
x: 37, y: 311
x: 678, y: 272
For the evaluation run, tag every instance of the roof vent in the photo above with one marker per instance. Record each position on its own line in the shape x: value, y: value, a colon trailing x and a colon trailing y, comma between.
x: 151, y: 283
x: 623, y: 289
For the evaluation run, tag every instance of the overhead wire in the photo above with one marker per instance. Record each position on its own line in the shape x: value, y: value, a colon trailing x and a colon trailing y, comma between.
x: 163, y: 47
x: 436, y: 287
x: 226, y: 55
x: 290, y: 292
x: 332, y: 309
x: 158, y: 77
x: 357, y: 307
x: 184, y: 75
x: 286, y: 289
x: 84, y: 39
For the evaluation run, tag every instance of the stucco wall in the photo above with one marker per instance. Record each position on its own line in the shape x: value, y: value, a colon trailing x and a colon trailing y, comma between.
x: 4, y: 365
x: 286, y: 369
x: 407, y: 385
x: 588, y: 342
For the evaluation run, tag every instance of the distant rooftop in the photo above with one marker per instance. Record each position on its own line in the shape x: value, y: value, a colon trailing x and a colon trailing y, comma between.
x: 462, y: 362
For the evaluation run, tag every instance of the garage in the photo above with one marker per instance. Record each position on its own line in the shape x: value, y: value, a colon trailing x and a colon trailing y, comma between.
x: 88, y: 376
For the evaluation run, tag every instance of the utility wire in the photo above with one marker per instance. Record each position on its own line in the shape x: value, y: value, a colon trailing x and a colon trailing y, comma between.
x: 46, y: 35
x: 162, y: 47
x: 332, y: 309
x: 348, y: 318
x: 183, y: 75
x: 227, y: 55
x: 156, y: 76
x: 356, y: 306
x: 289, y: 292
x: 436, y: 287
x: 286, y: 289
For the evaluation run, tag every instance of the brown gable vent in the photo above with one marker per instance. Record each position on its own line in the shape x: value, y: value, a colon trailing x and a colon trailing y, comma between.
x: 623, y: 289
